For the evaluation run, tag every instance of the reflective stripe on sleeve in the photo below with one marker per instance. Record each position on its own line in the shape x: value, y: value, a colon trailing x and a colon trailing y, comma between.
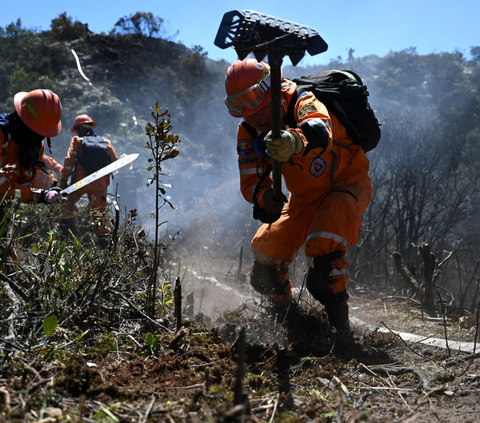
x: 252, y: 171
x: 271, y: 259
x: 324, y: 122
x: 339, y: 272
x: 252, y: 194
x: 328, y: 235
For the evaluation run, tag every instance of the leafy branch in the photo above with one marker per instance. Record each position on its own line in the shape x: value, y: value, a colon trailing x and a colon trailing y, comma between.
x: 162, y: 146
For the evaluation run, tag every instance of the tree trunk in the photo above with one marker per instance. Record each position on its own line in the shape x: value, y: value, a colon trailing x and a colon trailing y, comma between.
x: 429, y: 266
x: 407, y: 276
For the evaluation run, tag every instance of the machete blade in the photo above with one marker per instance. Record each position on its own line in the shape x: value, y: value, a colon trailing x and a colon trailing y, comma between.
x: 117, y: 164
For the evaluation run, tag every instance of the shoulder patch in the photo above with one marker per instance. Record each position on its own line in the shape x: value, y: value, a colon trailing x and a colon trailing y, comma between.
x: 244, y: 148
x: 248, y: 160
x: 318, y: 166
x: 304, y: 110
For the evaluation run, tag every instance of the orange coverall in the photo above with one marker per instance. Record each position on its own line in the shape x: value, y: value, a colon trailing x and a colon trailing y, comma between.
x: 329, y: 192
x: 11, y: 177
x: 96, y: 190
x: 46, y: 180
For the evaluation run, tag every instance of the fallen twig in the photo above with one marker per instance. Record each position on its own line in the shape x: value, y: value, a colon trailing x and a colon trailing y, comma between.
x: 344, y: 388
x: 402, y: 370
x: 373, y: 373
x: 15, y: 288
x: 432, y: 391
x: 210, y: 363
x: 144, y: 419
x: 399, y: 394
x: 197, y: 385
x: 414, y: 417
x: 153, y: 322
x: 275, y: 405
x: 387, y: 388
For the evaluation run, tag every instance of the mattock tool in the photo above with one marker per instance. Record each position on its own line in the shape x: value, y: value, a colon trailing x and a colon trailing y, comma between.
x: 265, y: 35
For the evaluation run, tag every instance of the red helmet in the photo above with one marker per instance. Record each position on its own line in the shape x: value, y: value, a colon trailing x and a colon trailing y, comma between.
x: 83, y: 118
x: 248, y: 87
x: 40, y: 110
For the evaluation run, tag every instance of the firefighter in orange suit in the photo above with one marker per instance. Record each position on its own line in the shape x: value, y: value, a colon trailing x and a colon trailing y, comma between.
x: 46, y: 178
x: 36, y: 116
x: 326, y: 175
x: 97, y: 190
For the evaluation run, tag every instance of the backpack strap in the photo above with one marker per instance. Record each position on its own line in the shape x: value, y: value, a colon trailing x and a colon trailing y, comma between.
x: 4, y: 129
x: 289, y: 119
x: 5, y: 133
x: 249, y: 128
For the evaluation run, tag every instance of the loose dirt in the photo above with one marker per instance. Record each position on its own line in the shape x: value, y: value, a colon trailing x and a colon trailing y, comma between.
x: 293, y: 372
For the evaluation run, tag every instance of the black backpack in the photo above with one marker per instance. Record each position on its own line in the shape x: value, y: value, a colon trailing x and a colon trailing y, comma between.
x: 344, y: 94
x: 94, y: 154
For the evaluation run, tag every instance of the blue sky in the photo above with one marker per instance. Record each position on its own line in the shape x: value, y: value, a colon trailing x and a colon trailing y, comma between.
x: 368, y: 26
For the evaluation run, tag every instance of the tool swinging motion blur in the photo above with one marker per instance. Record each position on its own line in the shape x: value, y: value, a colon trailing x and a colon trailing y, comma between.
x: 104, y: 171
x: 262, y: 35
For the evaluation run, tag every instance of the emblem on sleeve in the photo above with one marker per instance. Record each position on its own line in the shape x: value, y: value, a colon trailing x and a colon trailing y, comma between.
x: 317, y: 167
x: 244, y: 148
x: 305, y: 110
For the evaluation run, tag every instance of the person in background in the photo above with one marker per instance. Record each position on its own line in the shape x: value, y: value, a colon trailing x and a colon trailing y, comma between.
x: 88, y: 152
x: 326, y: 175
x: 47, y: 177
x: 36, y: 116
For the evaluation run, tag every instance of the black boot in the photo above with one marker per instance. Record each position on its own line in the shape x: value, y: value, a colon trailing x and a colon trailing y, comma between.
x: 338, y: 318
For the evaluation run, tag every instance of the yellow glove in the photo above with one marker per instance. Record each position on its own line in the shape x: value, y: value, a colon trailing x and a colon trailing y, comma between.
x: 282, y: 148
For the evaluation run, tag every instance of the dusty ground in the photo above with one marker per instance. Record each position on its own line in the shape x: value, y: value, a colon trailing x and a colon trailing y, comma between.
x: 291, y: 373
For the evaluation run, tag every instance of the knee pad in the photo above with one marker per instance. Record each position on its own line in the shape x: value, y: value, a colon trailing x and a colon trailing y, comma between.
x: 317, y: 278
x: 317, y: 286
x: 264, y: 279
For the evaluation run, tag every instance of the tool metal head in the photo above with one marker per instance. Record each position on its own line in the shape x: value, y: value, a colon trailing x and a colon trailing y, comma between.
x: 261, y: 34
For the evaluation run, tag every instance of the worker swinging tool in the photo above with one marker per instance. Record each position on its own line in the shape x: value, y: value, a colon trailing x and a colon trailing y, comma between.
x: 264, y: 35
x: 287, y: 130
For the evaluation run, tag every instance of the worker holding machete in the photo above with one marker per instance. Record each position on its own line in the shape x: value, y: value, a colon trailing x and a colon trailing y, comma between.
x: 36, y: 117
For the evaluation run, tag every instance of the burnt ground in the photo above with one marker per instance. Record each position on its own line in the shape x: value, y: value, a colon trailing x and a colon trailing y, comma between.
x: 293, y: 371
